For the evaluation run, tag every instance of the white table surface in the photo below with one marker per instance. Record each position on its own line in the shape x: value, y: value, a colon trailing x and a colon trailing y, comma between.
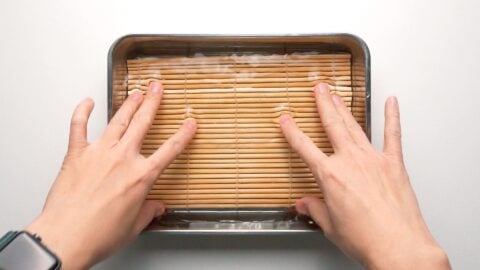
x: 53, y: 54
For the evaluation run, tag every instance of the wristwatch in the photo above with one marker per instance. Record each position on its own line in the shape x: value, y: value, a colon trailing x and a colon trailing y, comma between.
x: 21, y: 250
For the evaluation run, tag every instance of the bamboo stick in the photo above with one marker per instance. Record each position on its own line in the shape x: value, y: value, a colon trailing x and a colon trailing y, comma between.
x: 328, y: 76
x: 278, y: 162
x: 204, y: 153
x: 237, y: 158
x: 276, y: 109
x: 240, y: 100
x: 231, y: 205
x: 307, y: 104
x: 226, y: 129
x: 132, y: 65
x: 228, y: 159
x: 238, y: 142
x: 268, y: 119
x: 282, y: 105
x: 235, y: 70
x: 237, y: 171
x: 241, y: 89
x: 259, y: 115
x: 236, y: 176
x: 205, y: 61
x: 246, y: 201
x: 307, y: 84
x: 243, y: 117
x: 243, y: 58
x: 219, y: 120
x: 242, y: 187
x: 144, y: 79
x: 182, y: 96
x: 287, y: 96
x: 193, y: 62
x: 244, y: 148
x: 209, y: 190
x: 226, y: 135
x: 239, y: 165
x: 187, y: 158
x: 253, y: 180
x: 239, y: 126
x: 258, y: 130
x: 235, y: 196
x: 286, y: 68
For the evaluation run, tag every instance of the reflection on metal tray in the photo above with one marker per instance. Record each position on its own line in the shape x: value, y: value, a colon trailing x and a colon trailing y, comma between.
x: 238, y: 220
x: 235, y: 220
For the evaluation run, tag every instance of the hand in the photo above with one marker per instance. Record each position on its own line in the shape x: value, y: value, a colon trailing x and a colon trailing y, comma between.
x: 97, y: 202
x: 369, y: 209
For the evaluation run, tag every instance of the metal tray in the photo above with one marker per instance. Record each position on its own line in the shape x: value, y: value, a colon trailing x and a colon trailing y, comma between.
x: 247, y: 220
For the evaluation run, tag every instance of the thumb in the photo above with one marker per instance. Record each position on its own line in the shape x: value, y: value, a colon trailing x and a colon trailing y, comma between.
x: 149, y: 211
x: 317, y: 210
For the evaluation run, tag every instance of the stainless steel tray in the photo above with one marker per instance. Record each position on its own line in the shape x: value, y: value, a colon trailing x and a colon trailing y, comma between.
x: 242, y: 220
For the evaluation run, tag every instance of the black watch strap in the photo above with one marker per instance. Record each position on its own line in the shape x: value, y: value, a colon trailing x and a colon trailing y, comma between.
x: 21, y: 250
x: 5, y: 240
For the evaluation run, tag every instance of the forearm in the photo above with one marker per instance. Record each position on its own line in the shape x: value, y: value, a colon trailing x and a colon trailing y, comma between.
x: 427, y: 257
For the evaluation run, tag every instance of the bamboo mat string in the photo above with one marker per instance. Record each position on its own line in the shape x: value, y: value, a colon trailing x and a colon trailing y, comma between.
x: 187, y: 151
x: 236, y: 135
x: 334, y: 67
x: 289, y: 149
x: 354, y: 87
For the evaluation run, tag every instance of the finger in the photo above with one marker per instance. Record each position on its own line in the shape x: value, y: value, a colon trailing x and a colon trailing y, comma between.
x: 356, y: 132
x: 317, y: 210
x: 392, y: 141
x: 143, y: 118
x: 78, y: 124
x: 121, y: 120
x: 300, y: 142
x: 332, y: 121
x: 149, y: 211
x: 172, y: 147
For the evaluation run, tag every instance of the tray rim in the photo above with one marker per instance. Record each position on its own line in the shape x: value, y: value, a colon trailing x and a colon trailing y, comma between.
x: 367, y: 64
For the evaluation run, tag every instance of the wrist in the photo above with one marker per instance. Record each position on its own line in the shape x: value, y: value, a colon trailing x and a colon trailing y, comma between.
x: 54, y: 239
x: 429, y: 256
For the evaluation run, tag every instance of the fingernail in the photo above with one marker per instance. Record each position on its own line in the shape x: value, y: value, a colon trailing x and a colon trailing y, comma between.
x: 285, y: 118
x: 191, y: 123
x: 88, y: 99
x: 136, y: 96
x: 336, y: 100
x: 301, y: 208
x: 155, y: 87
x: 392, y: 100
x: 322, y: 88
x: 160, y: 210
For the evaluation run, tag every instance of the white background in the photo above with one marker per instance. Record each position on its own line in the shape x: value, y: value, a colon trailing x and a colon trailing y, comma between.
x: 53, y: 54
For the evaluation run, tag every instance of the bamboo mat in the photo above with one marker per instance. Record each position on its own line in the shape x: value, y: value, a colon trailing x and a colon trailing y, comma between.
x: 239, y: 157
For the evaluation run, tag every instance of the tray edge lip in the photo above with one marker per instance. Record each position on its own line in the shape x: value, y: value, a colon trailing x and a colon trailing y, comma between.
x: 367, y: 62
